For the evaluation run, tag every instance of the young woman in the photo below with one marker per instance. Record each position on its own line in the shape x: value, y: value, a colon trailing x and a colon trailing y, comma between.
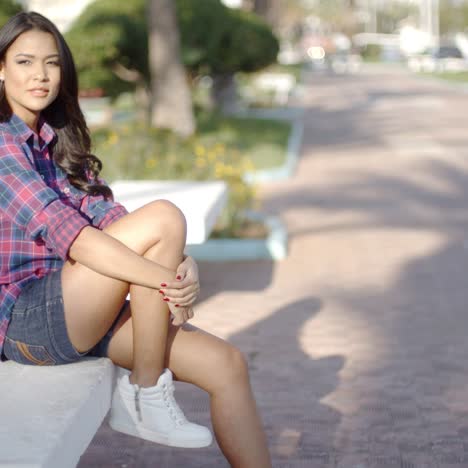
x: 70, y: 255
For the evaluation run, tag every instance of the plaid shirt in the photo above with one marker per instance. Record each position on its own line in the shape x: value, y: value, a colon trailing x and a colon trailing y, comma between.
x: 41, y: 213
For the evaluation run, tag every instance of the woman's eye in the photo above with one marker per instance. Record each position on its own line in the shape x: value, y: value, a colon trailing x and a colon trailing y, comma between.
x: 21, y: 62
x: 54, y: 63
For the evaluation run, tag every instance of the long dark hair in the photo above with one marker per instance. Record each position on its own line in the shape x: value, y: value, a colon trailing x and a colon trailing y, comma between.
x: 72, y: 149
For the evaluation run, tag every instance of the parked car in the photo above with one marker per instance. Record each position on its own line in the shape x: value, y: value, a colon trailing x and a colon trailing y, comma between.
x: 446, y: 58
x: 344, y: 62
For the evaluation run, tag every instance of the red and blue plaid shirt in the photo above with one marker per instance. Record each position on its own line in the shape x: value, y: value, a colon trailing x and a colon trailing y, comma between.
x: 41, y: 213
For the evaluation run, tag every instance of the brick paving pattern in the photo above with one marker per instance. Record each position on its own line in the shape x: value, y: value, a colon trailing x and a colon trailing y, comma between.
x: 357, y: 342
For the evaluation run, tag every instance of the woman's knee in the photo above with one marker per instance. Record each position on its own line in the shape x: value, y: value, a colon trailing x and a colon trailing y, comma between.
x: 156, y: 222
x: 170, y: 222
x: 231, y: 366
x: 147, y: 226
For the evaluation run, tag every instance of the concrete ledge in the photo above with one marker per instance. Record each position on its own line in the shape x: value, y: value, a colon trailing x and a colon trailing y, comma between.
x: 200, y: 201
x: 50, y: 415
x: 274, y: 247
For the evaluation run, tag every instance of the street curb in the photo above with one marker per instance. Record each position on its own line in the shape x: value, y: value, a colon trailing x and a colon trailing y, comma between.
x: 274, y: 247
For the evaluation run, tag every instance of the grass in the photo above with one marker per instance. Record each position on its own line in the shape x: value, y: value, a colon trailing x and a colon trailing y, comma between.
x: 459, y: 77
x: 263, y: 142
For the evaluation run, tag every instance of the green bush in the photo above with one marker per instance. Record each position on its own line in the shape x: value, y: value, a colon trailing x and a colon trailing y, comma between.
x: 8, y: 8
x: 213, y: 41
x: 107, y: 32
x: 214, y: 38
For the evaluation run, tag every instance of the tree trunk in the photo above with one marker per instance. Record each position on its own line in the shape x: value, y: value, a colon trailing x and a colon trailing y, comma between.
x: 224, y: 93
x: 269, y: 10
x: 261, y: 7
x: 171, y: 101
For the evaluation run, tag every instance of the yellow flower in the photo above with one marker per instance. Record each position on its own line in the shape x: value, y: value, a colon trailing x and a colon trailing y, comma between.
x: 220, y: 170
x: 220, y: 148
x: 248, y: 165
x: 211, y: 156
x: 113, y: 138
x: 151, y: 163
x: 200, y: 150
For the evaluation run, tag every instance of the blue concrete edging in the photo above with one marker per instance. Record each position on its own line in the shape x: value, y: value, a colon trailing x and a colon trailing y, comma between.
x: 274, y: 247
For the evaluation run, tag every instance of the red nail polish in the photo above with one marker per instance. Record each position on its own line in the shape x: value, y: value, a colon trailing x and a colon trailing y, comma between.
x: 179, y: 277
x: 163, y: 285
x: 161, y: 292
x: 177, y: 305
x: 166, y: 299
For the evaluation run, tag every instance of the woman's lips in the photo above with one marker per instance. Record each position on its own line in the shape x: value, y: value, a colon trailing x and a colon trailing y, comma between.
x: 39, y: 92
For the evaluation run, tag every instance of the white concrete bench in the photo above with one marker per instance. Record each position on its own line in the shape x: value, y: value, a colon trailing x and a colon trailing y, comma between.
x: 280, y: 84
x: 200, y: 201
x: 49, y: 415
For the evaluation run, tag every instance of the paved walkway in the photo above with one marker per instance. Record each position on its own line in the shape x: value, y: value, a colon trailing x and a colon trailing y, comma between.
x: 357, y: 342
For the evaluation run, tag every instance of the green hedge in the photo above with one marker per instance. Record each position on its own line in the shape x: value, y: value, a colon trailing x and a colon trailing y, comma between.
x: 213, y: 40
x: 106, y: 32
x: 8, y: 8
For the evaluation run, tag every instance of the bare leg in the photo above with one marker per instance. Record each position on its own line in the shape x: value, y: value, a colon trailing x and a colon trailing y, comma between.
x: 217, y: 367
x: 151, y: 323
x: 92, y: 301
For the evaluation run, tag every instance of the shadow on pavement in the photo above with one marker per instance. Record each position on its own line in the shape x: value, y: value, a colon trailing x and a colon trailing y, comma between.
x: 289, y: 385
x: 238, y: 276
x: 411, y: 401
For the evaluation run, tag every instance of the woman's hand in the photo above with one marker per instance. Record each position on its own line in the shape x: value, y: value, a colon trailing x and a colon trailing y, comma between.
x: 180, y: 314
x: 182, y: 293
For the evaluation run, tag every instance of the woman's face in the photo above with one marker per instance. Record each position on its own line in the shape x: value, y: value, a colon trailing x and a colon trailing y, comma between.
x: 31, y: 74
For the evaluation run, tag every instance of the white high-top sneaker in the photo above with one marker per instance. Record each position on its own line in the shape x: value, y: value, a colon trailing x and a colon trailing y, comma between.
x: 153, y: 414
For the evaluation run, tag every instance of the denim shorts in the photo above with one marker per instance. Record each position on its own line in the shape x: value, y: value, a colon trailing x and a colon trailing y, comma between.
x: 37, y: 333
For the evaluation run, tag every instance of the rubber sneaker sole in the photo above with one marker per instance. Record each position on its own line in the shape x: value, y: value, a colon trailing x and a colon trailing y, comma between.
x: 143, y: 433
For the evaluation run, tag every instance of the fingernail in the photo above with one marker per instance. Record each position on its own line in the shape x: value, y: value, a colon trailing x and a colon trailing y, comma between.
x: 161, y: 292
x: 177, y: 305
x: 178, y: 277
x: 163, y: 285
x: 166, y: 299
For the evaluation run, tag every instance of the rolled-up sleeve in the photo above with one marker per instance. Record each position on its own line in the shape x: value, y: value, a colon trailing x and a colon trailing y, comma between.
x: 28, y: 202
x: 101, y: 212
x: 116, y: 212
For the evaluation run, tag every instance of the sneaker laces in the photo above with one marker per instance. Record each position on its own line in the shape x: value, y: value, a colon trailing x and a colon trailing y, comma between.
x: 174, y: 409
x: 137, y: 402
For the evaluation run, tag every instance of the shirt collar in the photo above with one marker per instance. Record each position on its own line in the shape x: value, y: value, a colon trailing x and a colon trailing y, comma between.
x: 23, y: 132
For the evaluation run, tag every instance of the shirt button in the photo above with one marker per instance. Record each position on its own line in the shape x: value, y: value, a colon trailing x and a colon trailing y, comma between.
x: 66, y: 190
x: 43, y: 177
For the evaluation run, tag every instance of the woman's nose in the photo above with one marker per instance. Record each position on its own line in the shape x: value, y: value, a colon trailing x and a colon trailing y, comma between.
x: 40, y: 74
